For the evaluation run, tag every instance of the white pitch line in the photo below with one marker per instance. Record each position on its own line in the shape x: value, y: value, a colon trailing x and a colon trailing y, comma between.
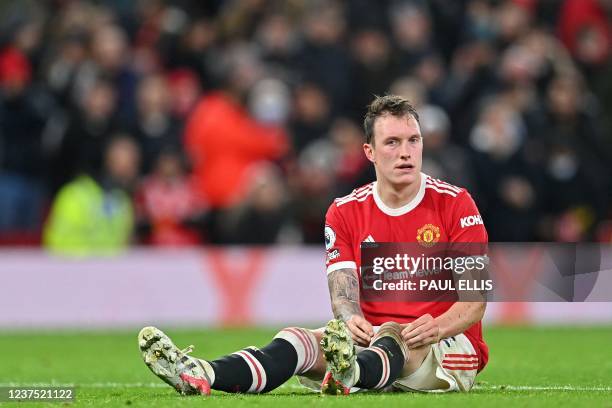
x: 540, y: 388
x: 87, y: 385
x: 295, y: 386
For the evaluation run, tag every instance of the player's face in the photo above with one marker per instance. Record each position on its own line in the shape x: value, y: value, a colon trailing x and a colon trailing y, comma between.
x: 396, y: 150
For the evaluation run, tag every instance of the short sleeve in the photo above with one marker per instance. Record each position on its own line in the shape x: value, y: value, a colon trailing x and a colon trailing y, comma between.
x: 339, y: 251
x: 466, y: 224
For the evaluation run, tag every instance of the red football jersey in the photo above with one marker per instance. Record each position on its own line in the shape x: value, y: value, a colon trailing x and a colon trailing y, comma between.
x: 440, y: 212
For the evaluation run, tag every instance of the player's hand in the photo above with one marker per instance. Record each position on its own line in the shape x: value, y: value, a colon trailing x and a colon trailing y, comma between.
x: 421, y: 332
x: 361, y: 330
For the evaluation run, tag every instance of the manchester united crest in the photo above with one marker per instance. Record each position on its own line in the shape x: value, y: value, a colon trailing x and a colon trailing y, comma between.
x: 428, y: 235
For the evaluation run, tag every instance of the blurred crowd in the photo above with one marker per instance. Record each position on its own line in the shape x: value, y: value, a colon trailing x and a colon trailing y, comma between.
x: 186, y: 122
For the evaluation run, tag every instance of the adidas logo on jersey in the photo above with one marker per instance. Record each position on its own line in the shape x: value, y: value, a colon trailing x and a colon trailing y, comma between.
x: 470, y: 221
x: 369, y: 239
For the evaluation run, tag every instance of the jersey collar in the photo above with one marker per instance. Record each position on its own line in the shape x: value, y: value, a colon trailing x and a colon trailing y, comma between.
x: 405, y: 208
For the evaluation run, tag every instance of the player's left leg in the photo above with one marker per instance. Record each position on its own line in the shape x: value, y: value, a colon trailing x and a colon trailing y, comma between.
x: 293, y: 351
x: 251, y: 370
x: 184, y: 373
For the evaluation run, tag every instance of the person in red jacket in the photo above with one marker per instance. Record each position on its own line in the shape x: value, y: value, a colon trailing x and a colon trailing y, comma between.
x: 224, y: 142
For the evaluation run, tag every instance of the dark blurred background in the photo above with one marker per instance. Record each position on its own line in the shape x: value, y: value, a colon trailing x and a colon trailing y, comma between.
x: 237, y: 122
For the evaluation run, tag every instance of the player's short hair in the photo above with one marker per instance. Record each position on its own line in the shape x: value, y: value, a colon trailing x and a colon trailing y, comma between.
x: 386, y: 105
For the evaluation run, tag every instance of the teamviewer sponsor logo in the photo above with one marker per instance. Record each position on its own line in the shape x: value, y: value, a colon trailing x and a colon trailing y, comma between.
x: 471, y: 220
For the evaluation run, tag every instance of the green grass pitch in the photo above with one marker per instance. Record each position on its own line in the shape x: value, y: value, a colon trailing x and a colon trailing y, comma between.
x: 528, y: 367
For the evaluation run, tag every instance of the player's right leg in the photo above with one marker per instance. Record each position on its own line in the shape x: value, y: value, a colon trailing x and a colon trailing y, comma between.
x: 376, y: 367
x: 251, y: 370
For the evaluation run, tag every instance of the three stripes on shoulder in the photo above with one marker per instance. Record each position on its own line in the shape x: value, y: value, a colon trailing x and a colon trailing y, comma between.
x: 362, y: 193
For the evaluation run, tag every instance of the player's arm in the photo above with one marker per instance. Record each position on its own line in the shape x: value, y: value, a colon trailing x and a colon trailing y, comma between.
x: 457, y: 319
x: 344, y: 292
x: 460, y: 317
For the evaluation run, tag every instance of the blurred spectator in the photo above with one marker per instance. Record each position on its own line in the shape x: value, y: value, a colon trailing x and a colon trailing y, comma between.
x: 576, y: 151
x: 184, y: 92
x: 525, y: 70
x: 411, y: 89
x: 471, y: 77
x: 81, y: 139
x: 431, y: 72
x: 64, y: 65
x: 311, y: 115
x: 322, y: 58
x: 373, y: 67
x: 314, y: 187
x: 513, y: 19
x: 24, y: 112
x: 195, y: 51
x: 224, y: 141
x: 278, y: 38
x: 262, y: 215
x: 509, y: 185
x: 269, y: 102
x: 479, y: 21
x: 238, y: 19
x: 93, y: 214
x: 154, y: 127
x: 573, y: 225
x: 442, y: 158
x: 584, y: 27
x: 155, y: 28
x: 411, y: 27
x: 109, y: 59
x: 351, y: 167
x: 167, y: 207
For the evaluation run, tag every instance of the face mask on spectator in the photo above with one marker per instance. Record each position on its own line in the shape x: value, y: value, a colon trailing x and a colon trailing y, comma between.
x: 269, y: 101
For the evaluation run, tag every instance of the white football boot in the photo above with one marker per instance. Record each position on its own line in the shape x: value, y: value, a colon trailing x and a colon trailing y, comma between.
x: 339, y: 350
x: 186, y: 374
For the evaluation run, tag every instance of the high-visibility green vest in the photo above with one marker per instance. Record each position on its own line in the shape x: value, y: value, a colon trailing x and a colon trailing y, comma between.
x: 87, y: 220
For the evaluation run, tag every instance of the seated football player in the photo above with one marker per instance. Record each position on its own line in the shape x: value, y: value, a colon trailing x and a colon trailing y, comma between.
x: 423, y: 346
